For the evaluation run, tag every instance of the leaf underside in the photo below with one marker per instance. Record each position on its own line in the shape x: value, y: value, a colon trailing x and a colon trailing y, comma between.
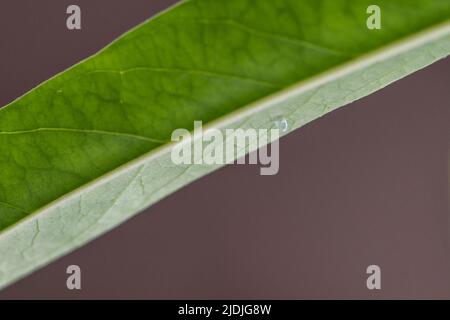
x: 89, y: 148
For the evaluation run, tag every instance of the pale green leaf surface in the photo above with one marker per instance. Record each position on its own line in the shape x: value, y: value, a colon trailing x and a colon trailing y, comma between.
x: 89, y: 148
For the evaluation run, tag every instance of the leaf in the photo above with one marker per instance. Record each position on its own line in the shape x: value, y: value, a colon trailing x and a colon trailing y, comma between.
x: 90, y: 147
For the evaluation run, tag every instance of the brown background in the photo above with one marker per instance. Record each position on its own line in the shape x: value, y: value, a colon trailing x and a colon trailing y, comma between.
x: 367, y: 184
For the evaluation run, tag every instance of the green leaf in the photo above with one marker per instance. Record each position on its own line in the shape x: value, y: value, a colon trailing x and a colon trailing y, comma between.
x: 90, y: 147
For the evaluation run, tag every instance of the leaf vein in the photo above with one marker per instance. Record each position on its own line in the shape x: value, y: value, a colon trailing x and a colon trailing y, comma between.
x: 89, y: 131
x: 204, y: 73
